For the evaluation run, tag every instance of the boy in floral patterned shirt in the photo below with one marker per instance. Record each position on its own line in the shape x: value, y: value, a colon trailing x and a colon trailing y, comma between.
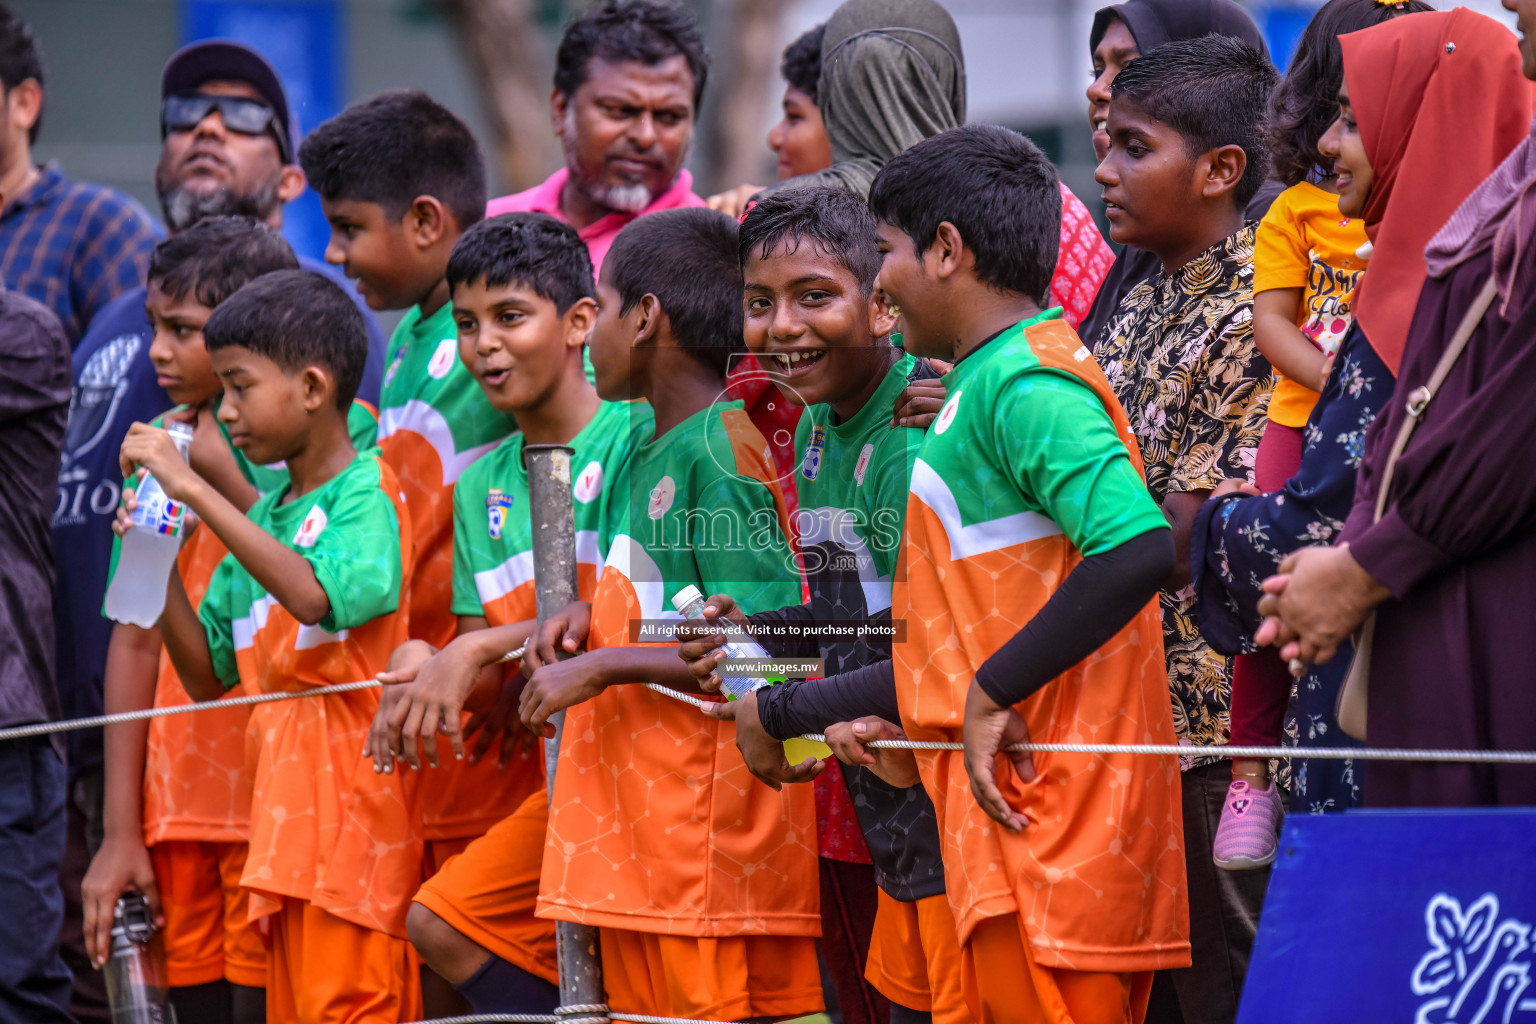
x: 1186, y: 155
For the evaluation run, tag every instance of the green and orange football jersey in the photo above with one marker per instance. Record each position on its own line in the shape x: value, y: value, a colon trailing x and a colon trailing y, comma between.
x: 434, y: 422
x: 493, y: 573
x: 656, y: 825
x: 324, y: 826
x: 1029, y: 467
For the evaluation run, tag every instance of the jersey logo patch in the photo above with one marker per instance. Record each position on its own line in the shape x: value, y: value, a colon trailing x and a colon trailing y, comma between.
x: 394, y: 368
x: 443, y: 358
x: 861, y: 467
x: 589, y: 484
x: 810, y: 468
x: 947, y: 414
x: 496, y: 505
x: 662, y: 496
x: 311, y: 528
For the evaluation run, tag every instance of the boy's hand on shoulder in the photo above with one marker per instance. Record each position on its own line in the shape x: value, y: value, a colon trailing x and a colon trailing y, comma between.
x: 152, y: 449
x: 919, y: 403
x: 122, y: 864
x: 733, y: 202
x: 763, y: 754
x: 850, y: 742
x: 557, y: 685
x: 989, y: 730
x: 561, y: 634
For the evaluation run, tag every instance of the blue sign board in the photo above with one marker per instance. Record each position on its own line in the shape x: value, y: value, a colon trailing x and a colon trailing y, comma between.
x: 304, y: 41
x: 1412, y: 917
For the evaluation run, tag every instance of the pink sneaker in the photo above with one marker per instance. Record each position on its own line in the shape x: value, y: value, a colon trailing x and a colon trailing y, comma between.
x: 1246, y: 837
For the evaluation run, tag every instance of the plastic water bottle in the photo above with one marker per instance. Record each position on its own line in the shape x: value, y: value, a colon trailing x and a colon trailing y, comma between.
x: 148, y: 555
x: 137, y: 988
x: 689, y: 603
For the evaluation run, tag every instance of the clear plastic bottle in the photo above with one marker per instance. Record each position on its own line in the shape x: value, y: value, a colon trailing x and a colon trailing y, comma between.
x: 689, y: 603
x: 137, y: 986
x: 136, y: 594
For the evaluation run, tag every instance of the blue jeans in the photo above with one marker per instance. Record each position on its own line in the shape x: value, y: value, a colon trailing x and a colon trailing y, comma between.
x: 34, y: 983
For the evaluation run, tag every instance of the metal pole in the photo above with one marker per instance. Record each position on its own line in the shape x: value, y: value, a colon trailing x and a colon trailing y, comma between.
x: 554, y: 583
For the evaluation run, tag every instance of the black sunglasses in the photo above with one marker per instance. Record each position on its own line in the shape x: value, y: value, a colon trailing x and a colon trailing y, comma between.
x: 246, y: 116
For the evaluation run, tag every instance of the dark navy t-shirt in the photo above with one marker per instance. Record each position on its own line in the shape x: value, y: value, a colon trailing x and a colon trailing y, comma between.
x: 114, y: 387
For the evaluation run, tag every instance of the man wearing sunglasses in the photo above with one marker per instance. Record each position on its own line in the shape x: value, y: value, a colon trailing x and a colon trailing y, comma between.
x: 228, y: 139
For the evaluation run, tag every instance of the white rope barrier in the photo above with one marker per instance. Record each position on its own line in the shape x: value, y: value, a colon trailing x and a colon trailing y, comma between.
x: 1140, y: 749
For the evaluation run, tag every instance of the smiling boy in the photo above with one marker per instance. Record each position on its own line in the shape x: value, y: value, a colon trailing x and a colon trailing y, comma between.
x: 308, y: 596
x: 1186, y: 154
x: 809, y: 260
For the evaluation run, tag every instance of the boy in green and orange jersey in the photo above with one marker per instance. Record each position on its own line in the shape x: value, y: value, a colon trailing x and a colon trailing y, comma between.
x: 178, y: 792
x: 1033, y: 553
x: 400, y: 179
x: 309, y: 595
x: 523, y: 303
x: 702, y: 883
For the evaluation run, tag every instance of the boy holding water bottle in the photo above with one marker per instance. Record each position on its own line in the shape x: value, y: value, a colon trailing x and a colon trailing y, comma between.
x: 177, y: 790
x: 309, y: 595
x: 701, y: 882
x: 400, y: 179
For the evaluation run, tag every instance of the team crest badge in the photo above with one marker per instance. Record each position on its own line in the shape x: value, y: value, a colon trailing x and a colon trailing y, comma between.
x: 589, y: 483
x: 810, y: 468
x: 662, y: 496
x: 861, y: 467
x: 496, y: 504
x: 311, y: 529
x: 947, y: 414
x: 394, y: 368
x: 443, y: 359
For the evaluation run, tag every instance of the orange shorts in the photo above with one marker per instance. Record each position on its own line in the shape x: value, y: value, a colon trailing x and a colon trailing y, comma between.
x: 914, y: 957
x: 488, y: 892
x: 710, y: 979
x: 437, y: 852
x: 325, y: 970
x: 207, y: 934
x: 1004, y: 985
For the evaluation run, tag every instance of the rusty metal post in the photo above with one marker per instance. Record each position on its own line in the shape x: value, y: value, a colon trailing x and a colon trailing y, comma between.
x: 553, y: 514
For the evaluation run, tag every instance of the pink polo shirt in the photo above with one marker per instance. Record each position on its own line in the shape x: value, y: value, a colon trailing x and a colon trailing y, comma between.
x: 598, y: 235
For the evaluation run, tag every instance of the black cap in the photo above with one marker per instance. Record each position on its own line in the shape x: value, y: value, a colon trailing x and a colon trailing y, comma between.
x: 224, y: 59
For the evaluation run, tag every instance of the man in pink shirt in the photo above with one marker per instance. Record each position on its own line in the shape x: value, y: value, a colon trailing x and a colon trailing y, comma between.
x: 628, y: 78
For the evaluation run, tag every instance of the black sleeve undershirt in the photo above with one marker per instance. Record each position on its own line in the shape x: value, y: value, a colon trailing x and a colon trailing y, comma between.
x: 1095, y: 601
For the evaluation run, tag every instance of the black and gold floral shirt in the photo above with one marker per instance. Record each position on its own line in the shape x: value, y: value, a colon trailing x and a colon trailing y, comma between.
x: 1180, y: 356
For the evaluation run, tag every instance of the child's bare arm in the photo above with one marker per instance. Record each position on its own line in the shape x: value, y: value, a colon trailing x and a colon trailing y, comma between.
x: 1279, y: 339
x: 281, y: 571
x: 122, y: 863
x: 187, y: 644
x: 555, y: 686
x: 433, y: 693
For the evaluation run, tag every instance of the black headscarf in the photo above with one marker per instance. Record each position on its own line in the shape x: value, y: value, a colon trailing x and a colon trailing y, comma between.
x: 1155, y: 22
x: 892, y: 75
